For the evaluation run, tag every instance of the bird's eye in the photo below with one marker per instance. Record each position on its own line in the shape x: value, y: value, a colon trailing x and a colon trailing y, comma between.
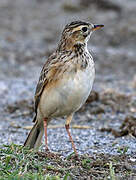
x: 84, y: 29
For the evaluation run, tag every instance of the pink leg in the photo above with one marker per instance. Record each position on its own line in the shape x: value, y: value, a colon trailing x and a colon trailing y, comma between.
x: 45, y: 132
x: 70, y: 137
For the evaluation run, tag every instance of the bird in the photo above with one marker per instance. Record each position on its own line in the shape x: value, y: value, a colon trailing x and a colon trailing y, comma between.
x: 65, y: 82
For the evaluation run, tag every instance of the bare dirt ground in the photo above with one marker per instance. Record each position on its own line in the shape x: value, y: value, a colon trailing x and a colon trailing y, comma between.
x: 29, y: 32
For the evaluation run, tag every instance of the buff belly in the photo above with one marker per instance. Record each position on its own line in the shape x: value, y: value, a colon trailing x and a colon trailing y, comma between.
x: 67, y: 95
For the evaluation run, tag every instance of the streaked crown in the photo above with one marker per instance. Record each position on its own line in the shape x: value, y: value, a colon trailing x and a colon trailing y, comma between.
x: 77, y: 32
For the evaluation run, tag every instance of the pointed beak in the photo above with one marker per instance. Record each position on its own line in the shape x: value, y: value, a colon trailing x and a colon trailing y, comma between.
x: 97, y: 26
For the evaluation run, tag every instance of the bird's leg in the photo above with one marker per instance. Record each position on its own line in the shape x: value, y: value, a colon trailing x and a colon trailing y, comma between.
x: 45, y: 132
x: 70, y: 137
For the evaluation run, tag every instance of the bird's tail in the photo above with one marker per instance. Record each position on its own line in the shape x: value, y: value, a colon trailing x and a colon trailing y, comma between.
x: 35, y: 136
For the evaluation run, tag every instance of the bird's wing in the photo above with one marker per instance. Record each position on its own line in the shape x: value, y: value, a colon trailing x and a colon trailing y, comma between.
x: 45, y: 76
x: 51, y: 71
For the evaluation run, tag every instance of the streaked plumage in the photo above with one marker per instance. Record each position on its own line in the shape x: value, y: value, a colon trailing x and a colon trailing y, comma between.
x: 65, y: 81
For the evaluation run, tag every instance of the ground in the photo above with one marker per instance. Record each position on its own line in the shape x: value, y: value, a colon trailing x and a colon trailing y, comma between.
x: 104, y: 129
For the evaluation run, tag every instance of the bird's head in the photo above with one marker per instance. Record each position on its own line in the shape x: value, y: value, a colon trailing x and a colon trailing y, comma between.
x: 77, y: 32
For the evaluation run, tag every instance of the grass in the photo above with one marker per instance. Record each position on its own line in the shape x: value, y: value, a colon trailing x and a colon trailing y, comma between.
x: 112, y: 173
x: 19, y: 163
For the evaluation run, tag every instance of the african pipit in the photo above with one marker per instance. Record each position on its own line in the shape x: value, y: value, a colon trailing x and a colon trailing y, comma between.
x: 65, y: 81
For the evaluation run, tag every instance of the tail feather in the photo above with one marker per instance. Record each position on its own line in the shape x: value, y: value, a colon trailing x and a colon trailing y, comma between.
x: 35, y: 136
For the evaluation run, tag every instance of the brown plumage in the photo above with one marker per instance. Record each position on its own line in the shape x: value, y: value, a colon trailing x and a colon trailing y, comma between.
x: 65, y: 81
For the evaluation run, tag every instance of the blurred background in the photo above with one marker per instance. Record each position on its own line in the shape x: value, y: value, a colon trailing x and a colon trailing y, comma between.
x: 29, y: 33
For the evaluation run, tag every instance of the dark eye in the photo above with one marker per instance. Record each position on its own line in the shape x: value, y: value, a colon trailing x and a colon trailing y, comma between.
x: 84, y: 29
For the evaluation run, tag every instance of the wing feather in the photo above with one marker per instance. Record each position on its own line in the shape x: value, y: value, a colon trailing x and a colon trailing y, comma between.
x: 45, y: 76
x: 52, y: 70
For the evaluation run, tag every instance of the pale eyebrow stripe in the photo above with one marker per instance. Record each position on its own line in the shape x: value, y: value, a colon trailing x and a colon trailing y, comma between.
x: 79, y: 27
